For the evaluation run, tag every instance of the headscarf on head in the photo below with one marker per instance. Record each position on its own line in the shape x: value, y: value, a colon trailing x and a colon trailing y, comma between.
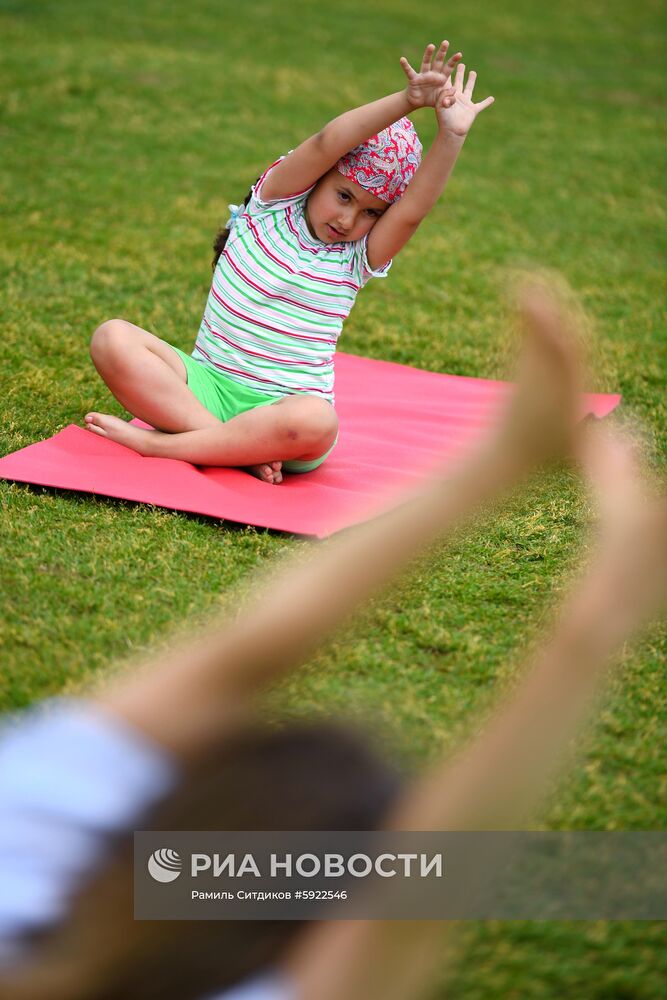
x: 385, y: 164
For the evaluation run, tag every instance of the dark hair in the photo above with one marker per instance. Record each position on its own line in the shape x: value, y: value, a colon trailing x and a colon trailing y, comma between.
x: 223, y: 234
x: 305, y: 776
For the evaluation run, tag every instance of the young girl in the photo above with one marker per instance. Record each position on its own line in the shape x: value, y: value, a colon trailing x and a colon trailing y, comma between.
x: 258, y: 389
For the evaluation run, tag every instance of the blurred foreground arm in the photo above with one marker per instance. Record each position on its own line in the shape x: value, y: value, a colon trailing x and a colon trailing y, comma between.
x: 184, y: 699
x: 502, y: 773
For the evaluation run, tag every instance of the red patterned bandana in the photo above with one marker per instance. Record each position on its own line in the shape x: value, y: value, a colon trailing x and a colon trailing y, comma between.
x: 385, y: 164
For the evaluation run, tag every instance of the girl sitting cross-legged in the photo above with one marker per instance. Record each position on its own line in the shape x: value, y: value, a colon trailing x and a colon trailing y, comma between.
x: 258, y: 389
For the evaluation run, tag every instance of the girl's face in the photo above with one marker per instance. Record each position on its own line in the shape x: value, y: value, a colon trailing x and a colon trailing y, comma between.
x: 339, y: 211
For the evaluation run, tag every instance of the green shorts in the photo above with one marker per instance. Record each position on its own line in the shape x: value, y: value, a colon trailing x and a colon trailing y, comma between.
x: 225, y: 398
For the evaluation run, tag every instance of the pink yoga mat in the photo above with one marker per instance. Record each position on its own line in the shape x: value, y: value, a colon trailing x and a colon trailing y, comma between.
x: 396, y: 424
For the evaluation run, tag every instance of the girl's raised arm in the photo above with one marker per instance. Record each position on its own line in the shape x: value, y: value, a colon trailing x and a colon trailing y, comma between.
x: 455, y: 113
x: 318, y: 154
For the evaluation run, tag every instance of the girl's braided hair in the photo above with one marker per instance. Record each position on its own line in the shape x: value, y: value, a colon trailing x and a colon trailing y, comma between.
x: 223, y: 234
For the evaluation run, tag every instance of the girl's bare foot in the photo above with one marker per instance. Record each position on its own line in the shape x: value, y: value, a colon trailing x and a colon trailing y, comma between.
x: 143, y: 441
x: 268, y: 472
x: 137, y: 438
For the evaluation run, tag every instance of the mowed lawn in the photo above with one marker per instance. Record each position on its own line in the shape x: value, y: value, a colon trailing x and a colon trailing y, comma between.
x: 126, y: 130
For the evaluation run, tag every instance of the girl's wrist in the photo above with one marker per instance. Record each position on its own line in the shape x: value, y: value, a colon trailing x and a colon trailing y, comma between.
x: 453, y: 139
x: 410, y: 106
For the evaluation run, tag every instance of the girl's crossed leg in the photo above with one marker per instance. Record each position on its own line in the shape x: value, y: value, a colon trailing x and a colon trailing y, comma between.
x: 149, y: 379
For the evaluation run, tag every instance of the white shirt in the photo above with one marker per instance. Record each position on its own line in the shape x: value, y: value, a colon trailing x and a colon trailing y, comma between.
x: 71, y: 778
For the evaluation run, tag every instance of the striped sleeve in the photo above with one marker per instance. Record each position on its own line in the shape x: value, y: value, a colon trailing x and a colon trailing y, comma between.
x: 362, y: 269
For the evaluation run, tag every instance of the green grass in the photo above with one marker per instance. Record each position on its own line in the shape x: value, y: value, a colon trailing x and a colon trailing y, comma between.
x: 126, y: 130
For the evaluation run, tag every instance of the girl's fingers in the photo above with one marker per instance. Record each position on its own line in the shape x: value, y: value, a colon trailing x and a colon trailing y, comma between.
x: 439, y: 60
x: 470, y: 83
x: 487, y: 102
x: 407, y: 68
x: 451, y: 64
x: 460, y: 73
x: 426, y: 60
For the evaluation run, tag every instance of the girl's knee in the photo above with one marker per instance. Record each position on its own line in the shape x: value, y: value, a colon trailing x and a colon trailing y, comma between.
x: 109, y: 342
x: 319, y: 420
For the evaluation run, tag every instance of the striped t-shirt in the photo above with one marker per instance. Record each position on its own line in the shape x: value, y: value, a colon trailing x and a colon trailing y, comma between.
x: 278, y: 300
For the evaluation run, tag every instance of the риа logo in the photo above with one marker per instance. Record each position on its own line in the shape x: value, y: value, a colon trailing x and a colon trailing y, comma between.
x: 165, y: 865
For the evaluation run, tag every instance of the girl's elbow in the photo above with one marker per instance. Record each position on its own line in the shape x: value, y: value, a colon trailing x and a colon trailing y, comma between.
x: 323, y: 139
x: 411, y: 221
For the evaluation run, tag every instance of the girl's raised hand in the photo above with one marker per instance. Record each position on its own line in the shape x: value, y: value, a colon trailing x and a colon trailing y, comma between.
x: 455, y: 109
x: 434, y: 74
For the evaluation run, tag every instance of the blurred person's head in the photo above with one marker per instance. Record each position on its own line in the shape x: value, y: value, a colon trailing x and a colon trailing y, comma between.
x: 305, y: 776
